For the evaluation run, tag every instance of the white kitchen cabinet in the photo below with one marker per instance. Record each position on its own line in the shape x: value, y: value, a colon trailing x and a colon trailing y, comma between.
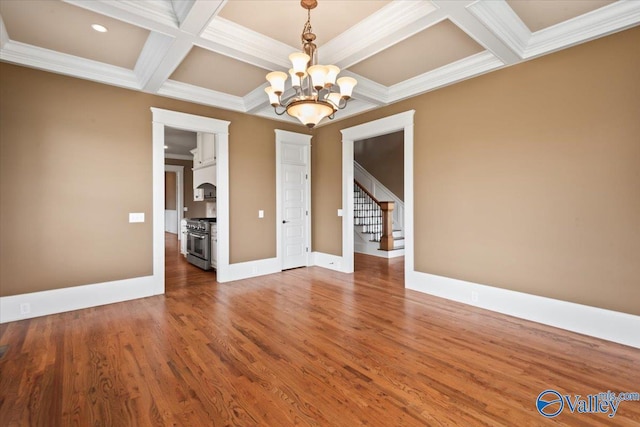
x: 205, y: 150
x: 204, y: 167
x: 214, y: 245
x: 205, y: 175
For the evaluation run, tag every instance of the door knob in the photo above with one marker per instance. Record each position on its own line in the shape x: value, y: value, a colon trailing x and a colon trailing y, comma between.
x: 284, y: 222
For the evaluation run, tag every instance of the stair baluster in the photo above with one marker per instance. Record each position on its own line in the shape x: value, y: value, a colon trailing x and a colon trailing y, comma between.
x: 375, y: 217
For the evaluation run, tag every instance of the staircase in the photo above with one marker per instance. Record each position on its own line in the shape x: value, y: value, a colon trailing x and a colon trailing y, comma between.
x: 369, y: 219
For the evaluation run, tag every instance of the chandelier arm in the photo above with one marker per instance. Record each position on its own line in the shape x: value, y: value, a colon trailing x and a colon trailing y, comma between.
x: 275, y: 109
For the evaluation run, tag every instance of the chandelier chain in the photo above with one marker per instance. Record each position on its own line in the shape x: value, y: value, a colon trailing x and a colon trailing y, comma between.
x: 307, y: 26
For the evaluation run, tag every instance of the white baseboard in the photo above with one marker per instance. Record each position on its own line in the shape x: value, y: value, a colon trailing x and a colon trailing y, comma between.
x: 332, y: 262
x: 396, y: 253
x: 43, y: 303
x: 596, y: 322
x: 246, y: 270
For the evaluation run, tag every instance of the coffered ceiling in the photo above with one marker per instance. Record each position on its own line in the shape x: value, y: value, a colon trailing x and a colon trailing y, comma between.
x: 217, y: 52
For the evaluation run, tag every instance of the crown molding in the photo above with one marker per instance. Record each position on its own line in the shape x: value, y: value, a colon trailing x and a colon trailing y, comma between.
x: 158, y: 11
x: 503, y: 22
x: 167, y: 63
x: 243, y: 44
x: 181, y: 8
x: 199, y: 95
x: 201, y: 13
x: 388, y: 26
x: 471, y: 66
x: 174, y: 26
x: 154, y: 50
x: 609, y: 19
x: 506, y: 25
x: 48, y: 60
x: 256, y: 100
x: 367, y: 90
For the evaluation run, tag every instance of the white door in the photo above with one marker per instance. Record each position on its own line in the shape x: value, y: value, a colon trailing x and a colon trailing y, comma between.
x: 294, y: 202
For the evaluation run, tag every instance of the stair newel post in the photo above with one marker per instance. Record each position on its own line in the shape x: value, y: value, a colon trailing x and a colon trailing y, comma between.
x: 386, y: 241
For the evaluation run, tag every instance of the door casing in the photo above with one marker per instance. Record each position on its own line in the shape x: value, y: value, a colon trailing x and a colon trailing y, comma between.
x: 297, y: 139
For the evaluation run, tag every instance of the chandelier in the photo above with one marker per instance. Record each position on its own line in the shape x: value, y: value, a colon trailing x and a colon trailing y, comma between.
x: 315, y: 93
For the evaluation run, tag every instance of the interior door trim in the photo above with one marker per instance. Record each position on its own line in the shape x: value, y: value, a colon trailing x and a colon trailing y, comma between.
x: 283, y: 136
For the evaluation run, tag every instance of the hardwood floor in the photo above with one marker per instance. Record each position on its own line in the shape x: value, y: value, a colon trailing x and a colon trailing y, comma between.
x: 305, y: 347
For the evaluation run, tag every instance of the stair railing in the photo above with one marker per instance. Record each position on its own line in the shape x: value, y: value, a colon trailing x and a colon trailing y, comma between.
x: 374, y: 216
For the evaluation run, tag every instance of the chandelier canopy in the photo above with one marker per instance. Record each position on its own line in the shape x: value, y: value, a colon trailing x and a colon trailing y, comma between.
x: 315, y: 93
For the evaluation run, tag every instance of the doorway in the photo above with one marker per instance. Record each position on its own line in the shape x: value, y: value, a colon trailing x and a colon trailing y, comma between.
x: 189, y: 122
x: 379, y: 179
x: 398, y: 122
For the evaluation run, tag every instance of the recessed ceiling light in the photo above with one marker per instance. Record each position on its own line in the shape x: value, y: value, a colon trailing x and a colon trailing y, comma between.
x: 99, y: 28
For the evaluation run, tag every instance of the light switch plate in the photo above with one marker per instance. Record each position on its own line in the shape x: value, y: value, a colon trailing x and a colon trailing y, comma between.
x: 260, y: 213
x: 136, y: 217
x: 339, y: 212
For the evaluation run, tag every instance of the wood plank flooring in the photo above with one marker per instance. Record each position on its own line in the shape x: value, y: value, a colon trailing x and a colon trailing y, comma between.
x: 307, y: 347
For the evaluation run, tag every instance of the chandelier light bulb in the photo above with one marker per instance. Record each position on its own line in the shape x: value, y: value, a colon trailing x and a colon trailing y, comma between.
x: 295, y: 79
x: 332, y: 74
x: 277, y: 79
x: 299, y: 61
x: 318, y: 75
x: 346, y: 86
x: 334, y: 98
x: 273, y: 98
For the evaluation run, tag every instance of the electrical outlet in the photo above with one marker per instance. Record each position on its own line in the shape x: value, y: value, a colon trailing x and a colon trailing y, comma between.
x: 25, y: 308
x: 474, y: 296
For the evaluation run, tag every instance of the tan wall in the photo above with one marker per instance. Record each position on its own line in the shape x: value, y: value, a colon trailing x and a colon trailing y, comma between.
x: 194, y: 209
x: 527, y: 178
x: 383, y: 157
x: 75, y: 159
x: 170, y: 191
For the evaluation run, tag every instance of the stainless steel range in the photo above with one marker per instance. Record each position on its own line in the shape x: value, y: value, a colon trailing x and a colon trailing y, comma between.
x: 199, y: 241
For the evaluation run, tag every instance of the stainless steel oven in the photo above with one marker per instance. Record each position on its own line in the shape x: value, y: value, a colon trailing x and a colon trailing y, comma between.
x: 199, y: 242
